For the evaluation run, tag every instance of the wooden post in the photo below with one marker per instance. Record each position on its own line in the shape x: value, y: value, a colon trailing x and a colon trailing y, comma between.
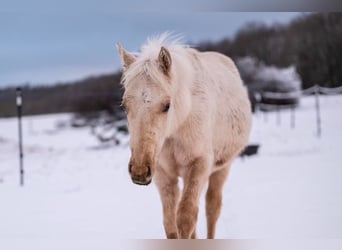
x: 265, y: 115
x: 318, y: 112
x: 21, y: 155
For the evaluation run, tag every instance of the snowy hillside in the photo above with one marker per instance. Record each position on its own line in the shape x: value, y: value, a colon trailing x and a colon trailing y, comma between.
x: 77, y: 189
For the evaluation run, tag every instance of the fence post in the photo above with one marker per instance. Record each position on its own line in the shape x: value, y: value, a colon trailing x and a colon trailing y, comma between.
x: 278, y: 115
x: 265, y: 115
x: 21, y: 155
x: 318, y: 112
x: 293, y: 116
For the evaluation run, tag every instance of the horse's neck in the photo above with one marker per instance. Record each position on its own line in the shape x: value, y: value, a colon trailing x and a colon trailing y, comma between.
x: 182, y: 94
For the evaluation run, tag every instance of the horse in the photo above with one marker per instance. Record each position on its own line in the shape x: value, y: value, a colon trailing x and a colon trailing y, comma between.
x: 188, y: 117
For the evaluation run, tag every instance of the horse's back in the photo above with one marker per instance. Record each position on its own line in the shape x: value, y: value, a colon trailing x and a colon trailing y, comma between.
x: 227, y: 62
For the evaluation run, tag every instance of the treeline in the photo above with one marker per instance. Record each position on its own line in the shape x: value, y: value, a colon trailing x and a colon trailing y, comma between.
x: 88, y: 96
x: 311, y: 42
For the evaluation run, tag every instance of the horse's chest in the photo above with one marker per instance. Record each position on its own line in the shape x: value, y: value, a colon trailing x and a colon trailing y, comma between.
x: 175, y: 158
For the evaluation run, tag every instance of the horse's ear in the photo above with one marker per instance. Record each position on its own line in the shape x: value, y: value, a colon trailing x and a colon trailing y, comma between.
x: 164, y: 60
x: 126, y: 58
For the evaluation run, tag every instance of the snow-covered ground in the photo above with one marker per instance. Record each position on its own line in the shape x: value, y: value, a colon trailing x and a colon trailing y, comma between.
x: 77, y: 189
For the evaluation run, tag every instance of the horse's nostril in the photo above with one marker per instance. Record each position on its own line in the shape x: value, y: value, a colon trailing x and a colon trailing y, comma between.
x: 130, y: 168
x: 148, y: 172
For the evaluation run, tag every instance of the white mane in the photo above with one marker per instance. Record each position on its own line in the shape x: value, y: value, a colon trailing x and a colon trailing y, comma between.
x: 146, y: 60
x: 153, y: 44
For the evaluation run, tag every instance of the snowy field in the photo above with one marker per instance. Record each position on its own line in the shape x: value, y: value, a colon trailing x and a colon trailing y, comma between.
x: 78, y: 189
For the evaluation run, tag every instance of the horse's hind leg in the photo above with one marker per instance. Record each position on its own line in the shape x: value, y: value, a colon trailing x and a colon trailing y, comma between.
x: 214, y: 200
x: 169, y: 194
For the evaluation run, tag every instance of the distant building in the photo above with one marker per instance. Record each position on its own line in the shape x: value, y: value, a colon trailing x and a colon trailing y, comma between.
x: 274, y: 86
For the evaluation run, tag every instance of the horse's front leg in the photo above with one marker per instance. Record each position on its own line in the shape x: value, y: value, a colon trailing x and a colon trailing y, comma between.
x: 169, y: 194
x: 187, y: 213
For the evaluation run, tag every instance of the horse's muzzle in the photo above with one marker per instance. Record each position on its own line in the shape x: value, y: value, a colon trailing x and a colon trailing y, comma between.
x: 139, y: 182
x: 140, y: 176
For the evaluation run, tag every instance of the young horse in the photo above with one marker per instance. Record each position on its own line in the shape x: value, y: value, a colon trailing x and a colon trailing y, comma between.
x: 189, y: 116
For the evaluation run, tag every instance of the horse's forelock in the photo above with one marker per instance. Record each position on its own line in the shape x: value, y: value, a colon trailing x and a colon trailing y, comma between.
x: 149, y: 54
x: 147, y: 70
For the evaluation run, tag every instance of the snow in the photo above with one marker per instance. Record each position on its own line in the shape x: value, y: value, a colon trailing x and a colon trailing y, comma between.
x: 77, y: 189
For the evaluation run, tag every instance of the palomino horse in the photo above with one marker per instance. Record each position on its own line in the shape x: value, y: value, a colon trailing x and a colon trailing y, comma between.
x: 188, y: 116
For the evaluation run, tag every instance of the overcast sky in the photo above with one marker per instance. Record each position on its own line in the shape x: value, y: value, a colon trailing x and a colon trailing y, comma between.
x: 42, y: 45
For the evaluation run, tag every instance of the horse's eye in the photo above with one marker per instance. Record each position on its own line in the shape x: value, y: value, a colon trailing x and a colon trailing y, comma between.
x: 166, y: 108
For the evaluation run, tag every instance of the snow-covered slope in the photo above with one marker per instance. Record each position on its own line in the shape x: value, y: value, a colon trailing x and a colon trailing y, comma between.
x: 77, y: 189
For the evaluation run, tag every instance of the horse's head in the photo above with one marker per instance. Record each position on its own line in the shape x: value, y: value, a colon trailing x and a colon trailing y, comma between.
x: 147, y: 102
